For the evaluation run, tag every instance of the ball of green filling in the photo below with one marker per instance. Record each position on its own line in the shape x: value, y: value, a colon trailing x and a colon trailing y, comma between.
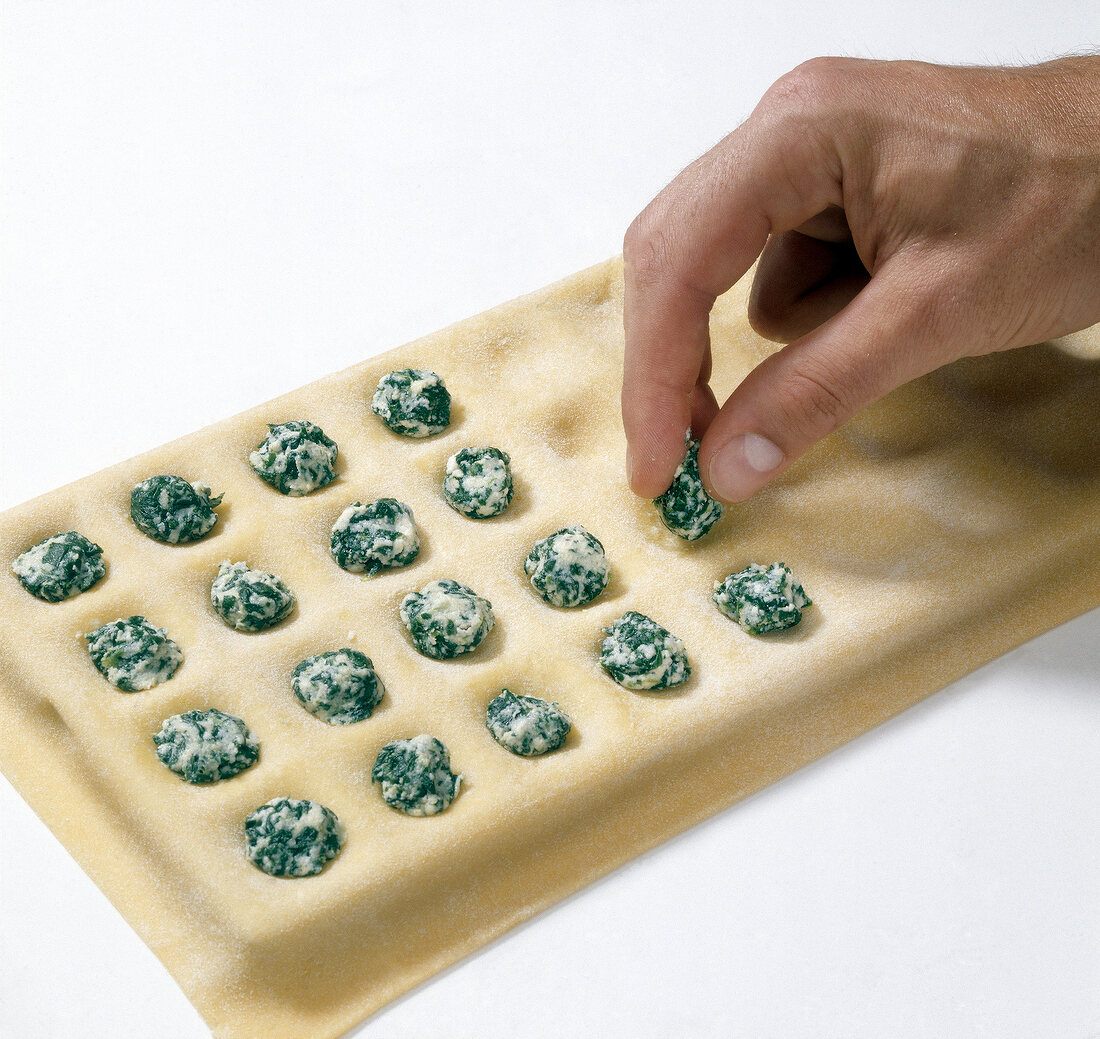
x: 478, y: 482
x: 339, y: 687
x: 295, y: 458
x: 762, y: 598
x: 289, y: 838
x: 205, y: 746
x: 568, y: 568
x: 133, y: 654
x: 60, y: 567
x: 639, y: 654
x: 526, y: 725
x: 415, y: 775
x: 686, y: 508
x: 250, y: 600
x: 446, y: 619
x: 412, y: 402
x: 169, y: 509
x: 379, y: 535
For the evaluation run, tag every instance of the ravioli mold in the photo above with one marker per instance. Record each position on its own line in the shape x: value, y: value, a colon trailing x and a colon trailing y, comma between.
x: 984, y: 477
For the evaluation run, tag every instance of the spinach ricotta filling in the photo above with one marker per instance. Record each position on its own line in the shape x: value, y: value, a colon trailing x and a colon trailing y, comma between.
x: 133, y: 654
x: 379, y: 535
x: 60, y: 567
x: 296, y: 458
x: 415, y: 775
x: 686, y: 508
x: 762, y: 598
x: 206, y: 746
x: 478, y: 482
x: 446, y: 619
x: 250, y: 600
x: 169, y: 509
x: 568, y: 568
x: 526, y: 725
x: 289, y: 838
x: 339, y: 687
x: 412, y: 402
x: 639, y: 654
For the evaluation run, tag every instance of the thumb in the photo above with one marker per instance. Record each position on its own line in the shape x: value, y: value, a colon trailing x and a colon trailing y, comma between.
x: 897, y: 328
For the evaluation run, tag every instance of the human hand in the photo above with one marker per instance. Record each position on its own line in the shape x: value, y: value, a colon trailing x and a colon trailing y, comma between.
x: 905, y: 215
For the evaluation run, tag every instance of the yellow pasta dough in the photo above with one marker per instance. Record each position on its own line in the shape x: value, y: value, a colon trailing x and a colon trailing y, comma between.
x: 951, y: 521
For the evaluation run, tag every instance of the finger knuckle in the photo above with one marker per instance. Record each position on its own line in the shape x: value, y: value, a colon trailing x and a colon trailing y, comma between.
x: 646, y: 249
x: 815, y: 399
x: 807, y: 89
x: 801, y: 122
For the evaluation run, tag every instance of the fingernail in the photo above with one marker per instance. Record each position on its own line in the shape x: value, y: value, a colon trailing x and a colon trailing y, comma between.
x: 739, y: 468
x: 629, y: 465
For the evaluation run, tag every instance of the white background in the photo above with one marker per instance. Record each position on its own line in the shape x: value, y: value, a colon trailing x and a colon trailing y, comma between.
x: 206, y: 205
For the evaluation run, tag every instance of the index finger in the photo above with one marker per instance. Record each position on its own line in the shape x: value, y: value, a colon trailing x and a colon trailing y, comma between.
x: 688, y: 246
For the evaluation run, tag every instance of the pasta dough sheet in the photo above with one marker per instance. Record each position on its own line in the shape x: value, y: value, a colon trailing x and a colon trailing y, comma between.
x: 952, y: 521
